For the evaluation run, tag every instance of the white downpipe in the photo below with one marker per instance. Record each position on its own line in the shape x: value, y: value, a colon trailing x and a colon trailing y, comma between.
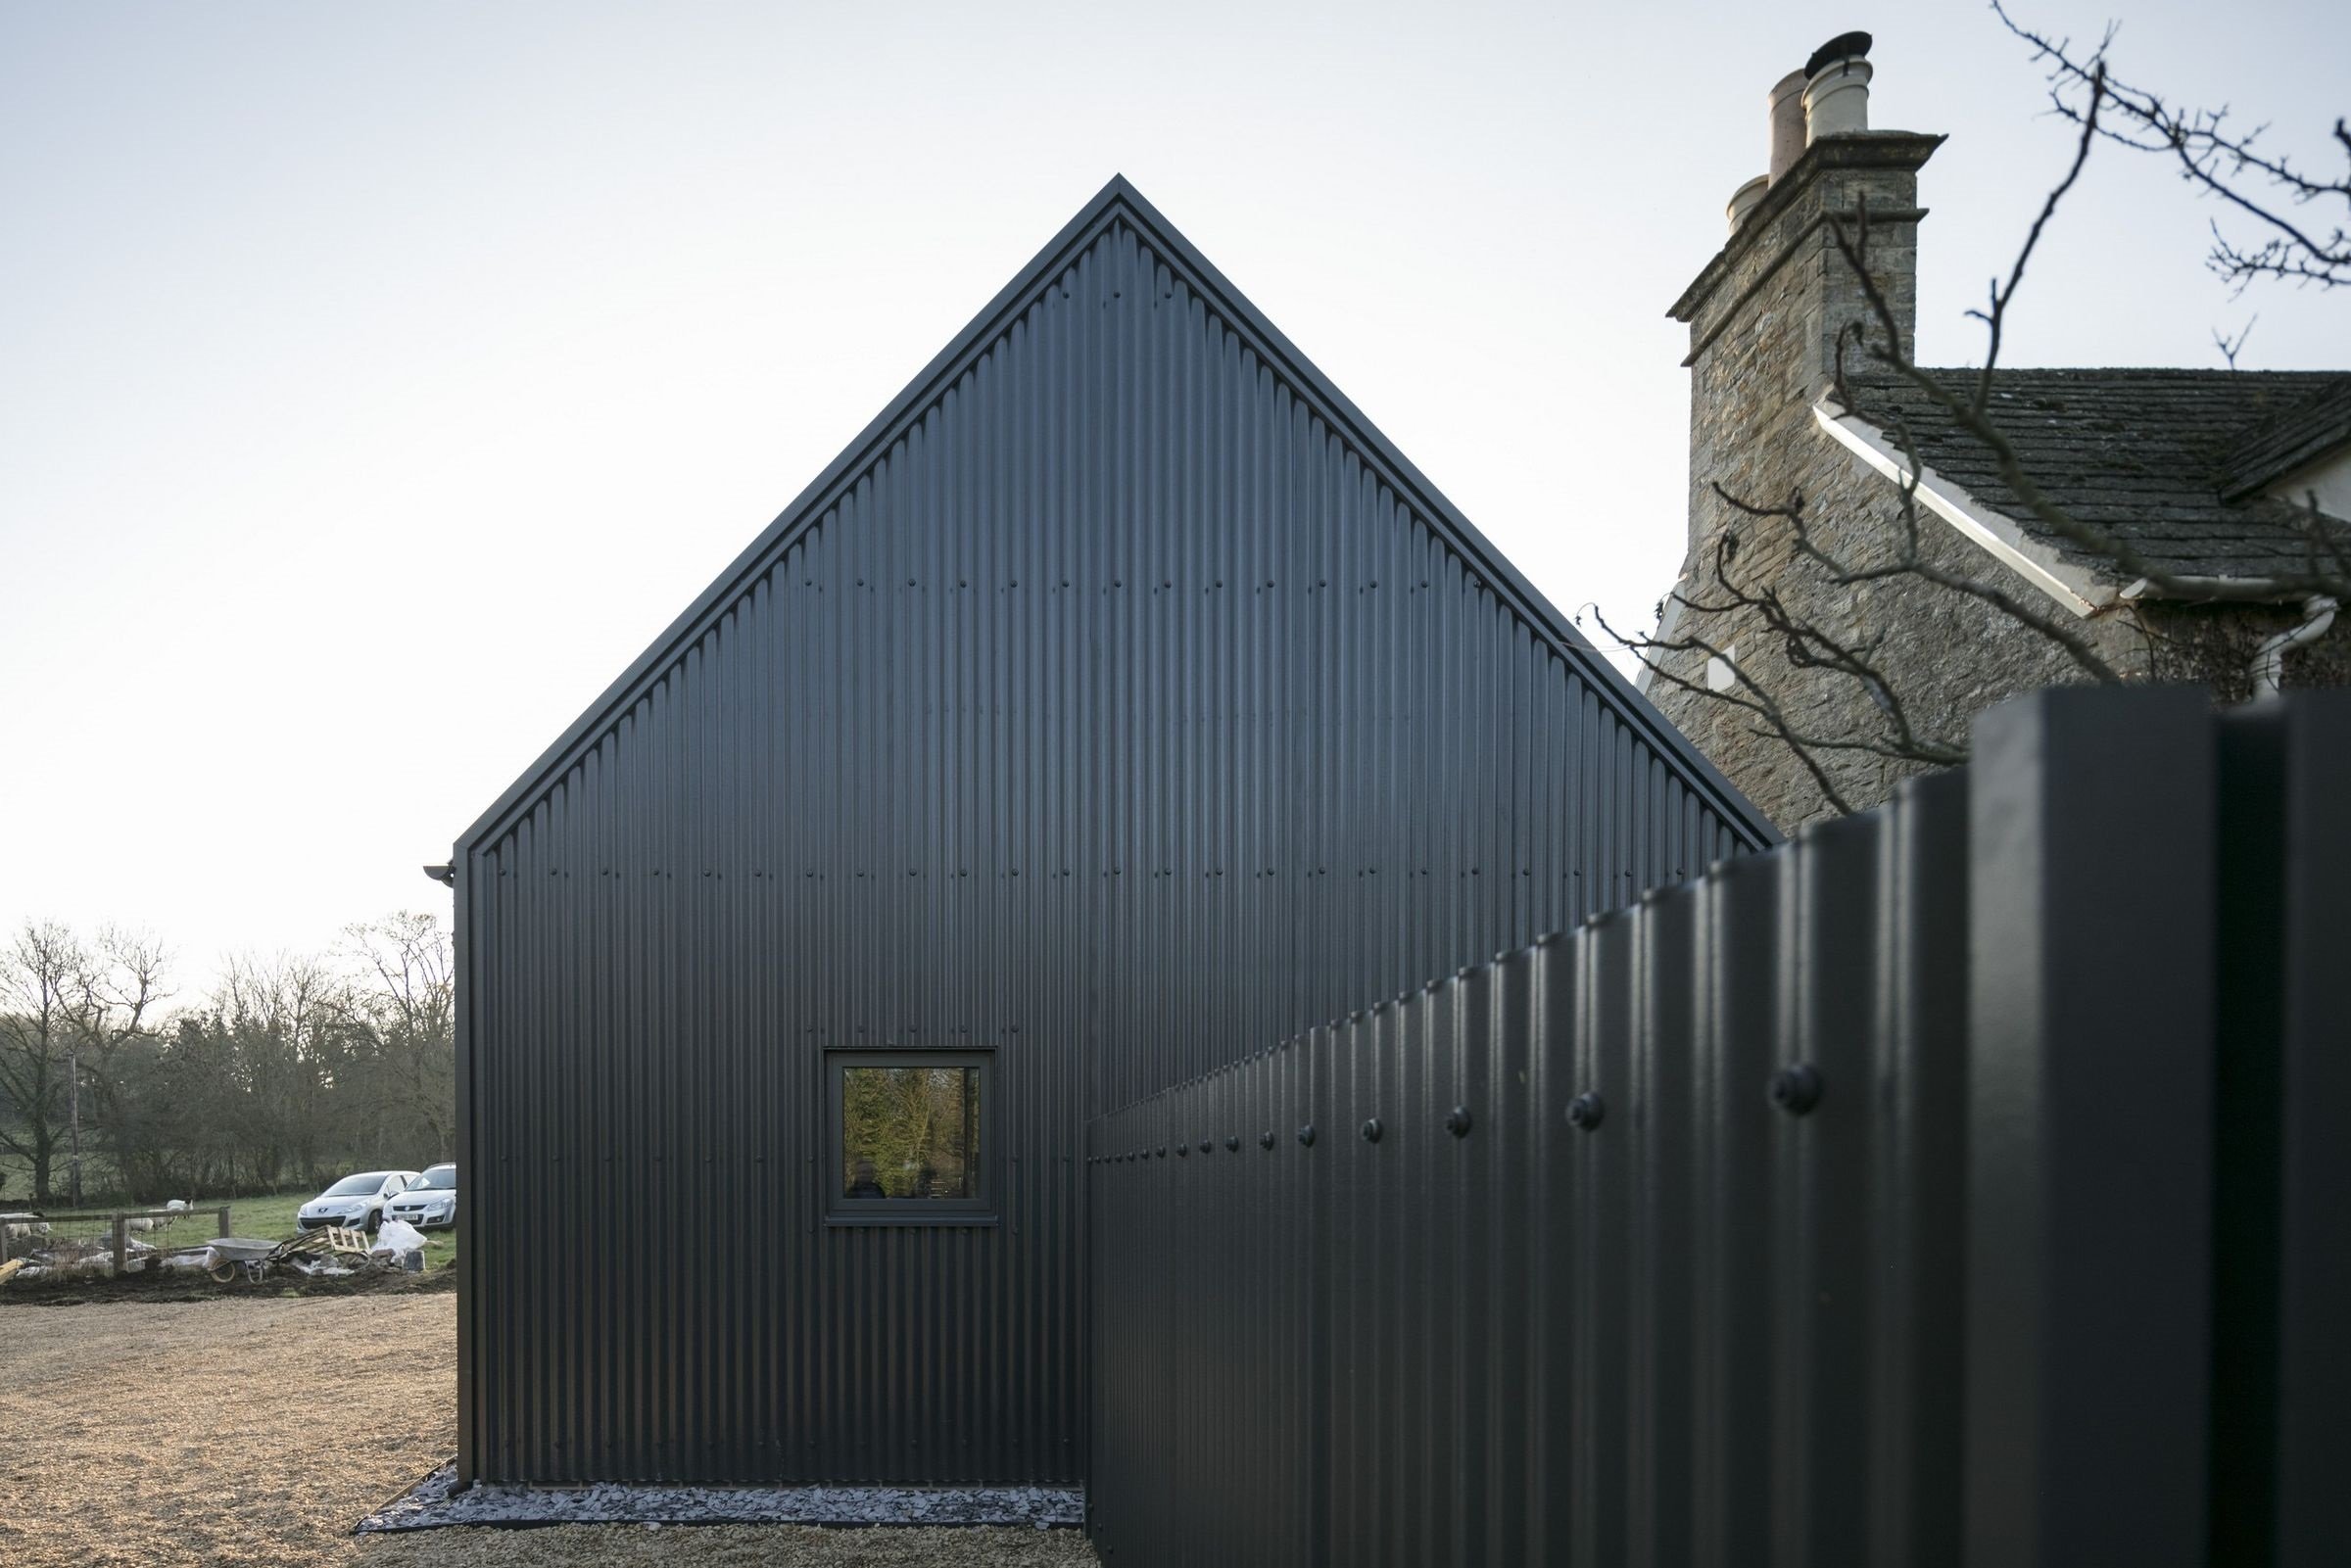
x: 2269, y: 664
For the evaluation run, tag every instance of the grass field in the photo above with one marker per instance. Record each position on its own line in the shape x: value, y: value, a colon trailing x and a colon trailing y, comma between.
x: 16, y: 1177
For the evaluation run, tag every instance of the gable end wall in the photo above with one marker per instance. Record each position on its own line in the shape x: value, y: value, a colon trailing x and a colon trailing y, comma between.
x: 1120, y: 715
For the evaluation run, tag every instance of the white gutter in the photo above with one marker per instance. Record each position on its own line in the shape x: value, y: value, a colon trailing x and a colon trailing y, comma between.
x: 2069, y: 584
x: 2042, y: 566
x: 2269, y: 664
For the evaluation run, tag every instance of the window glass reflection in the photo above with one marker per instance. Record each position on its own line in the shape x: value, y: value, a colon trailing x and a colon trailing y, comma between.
x: 909, y: 1132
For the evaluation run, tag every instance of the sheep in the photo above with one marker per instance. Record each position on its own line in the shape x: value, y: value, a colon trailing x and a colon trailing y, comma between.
x: 148, y: 1223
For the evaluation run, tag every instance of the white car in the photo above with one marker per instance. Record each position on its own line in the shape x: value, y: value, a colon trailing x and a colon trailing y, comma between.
x: 355, y: 1201
x: 431, y: 1202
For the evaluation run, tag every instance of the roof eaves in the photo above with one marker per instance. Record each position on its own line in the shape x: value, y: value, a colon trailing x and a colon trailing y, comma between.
x: 2080, y: 590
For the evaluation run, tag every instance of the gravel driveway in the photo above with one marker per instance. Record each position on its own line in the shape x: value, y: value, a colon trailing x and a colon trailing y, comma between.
x: 256, y: 1431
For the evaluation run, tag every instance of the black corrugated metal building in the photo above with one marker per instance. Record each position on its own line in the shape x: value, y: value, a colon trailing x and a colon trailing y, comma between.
x: 1118, y: 703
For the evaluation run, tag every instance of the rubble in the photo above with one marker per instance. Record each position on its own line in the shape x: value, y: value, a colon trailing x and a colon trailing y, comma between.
x: 331, y: 1252
x: 81, y: 1257
x: 400, y: 1244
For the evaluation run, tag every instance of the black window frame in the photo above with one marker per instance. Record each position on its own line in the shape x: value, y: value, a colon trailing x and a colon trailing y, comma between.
x: 979, y: 1210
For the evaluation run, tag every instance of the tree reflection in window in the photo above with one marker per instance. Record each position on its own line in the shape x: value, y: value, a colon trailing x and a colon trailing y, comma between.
x: 910, y: 1132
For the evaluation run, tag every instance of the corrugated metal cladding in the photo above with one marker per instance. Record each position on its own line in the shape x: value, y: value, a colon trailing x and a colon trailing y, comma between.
x: 1649, y: 1342
x: 1119, y: 701
x: 1964, y: 1184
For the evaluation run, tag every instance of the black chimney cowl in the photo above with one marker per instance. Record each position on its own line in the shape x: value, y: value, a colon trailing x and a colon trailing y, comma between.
x: 1845, y: 46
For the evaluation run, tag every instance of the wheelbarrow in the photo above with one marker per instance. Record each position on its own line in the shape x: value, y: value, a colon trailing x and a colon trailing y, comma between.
x: 231, y: 1254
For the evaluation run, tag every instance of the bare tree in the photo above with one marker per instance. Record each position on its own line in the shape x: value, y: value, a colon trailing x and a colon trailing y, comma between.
x: 37, y: 976
x: 66, y: 1009
x: 2221, y: 163
x: 401, y: 1005
x: 286, y: 1013
x: 116, y: 991
x: 295, y: 1069
x: 2288, y: 209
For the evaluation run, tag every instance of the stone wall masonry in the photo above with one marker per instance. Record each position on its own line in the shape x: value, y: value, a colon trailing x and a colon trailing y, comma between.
x: 1765, y: 317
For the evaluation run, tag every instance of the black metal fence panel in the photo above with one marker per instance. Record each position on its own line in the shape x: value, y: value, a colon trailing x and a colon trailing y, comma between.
x: 1964, y: 1183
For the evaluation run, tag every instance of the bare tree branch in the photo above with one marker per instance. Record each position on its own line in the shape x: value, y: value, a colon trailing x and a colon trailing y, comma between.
x: 2212, y: 156
x: 1970, y: 414
x: 2219, y: 161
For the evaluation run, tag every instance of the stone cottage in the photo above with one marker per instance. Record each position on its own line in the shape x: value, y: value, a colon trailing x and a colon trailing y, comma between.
x: 2208, y: 477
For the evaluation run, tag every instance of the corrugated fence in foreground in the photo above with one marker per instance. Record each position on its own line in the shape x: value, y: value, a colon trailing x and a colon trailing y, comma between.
x: 1969, y: 1182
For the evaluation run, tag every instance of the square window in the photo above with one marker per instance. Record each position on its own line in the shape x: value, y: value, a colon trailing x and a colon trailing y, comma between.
x: 910, y: 1137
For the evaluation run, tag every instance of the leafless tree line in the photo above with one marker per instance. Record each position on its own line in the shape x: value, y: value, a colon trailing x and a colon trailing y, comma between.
x: 293, y: 1070
x: 2284, y: 223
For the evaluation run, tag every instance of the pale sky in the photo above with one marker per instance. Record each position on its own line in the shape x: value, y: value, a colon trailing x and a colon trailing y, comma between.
x: 375, y: 383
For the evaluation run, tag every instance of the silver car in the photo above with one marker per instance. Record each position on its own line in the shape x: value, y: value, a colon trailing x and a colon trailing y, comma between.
x: 355, y: 1201
x: 431, y: 1202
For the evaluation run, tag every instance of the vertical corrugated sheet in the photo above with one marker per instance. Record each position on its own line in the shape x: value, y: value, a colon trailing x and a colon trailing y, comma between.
x: 2281, y: 1385
x: 2025, y: 1281
x: 1118, y: 703
x: 1684, y: 1336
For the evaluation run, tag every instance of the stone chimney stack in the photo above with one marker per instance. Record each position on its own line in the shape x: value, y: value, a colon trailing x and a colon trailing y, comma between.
x: 1766, y: 314
x: 1829, y: 97
x: 1781, y: 265
x: 1767, y: 318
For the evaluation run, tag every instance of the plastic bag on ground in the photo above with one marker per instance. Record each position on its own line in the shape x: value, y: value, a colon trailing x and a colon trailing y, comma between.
x: 397, y: 1236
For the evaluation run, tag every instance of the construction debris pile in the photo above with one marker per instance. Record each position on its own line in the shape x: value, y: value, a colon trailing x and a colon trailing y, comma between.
x: 20, y: 1227
x: 331, y: 1252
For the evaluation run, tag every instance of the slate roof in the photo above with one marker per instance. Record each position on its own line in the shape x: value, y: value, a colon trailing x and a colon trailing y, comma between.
x: 2293, y: 439
x: 2168, y: 461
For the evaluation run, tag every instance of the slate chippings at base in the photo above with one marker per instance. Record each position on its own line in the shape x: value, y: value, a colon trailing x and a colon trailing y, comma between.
x: 435, y: 1502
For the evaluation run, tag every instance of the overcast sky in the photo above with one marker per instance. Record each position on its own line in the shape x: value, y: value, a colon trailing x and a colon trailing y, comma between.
x: 376, y: 382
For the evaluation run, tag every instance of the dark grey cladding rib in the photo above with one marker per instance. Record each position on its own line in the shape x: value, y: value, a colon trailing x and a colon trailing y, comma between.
x: 1119, y: 703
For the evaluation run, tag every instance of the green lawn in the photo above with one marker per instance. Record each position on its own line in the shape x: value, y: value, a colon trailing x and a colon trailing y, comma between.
x: 16, y: 1177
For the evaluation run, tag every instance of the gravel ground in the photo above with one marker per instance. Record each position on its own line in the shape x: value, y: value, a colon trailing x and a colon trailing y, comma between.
x: 736, y: 1546
x: 258, y: 1431
x: 436, y: 1504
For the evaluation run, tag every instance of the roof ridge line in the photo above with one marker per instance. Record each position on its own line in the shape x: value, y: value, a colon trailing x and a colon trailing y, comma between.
x: 802, y: 509
x: 1118, y: 195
